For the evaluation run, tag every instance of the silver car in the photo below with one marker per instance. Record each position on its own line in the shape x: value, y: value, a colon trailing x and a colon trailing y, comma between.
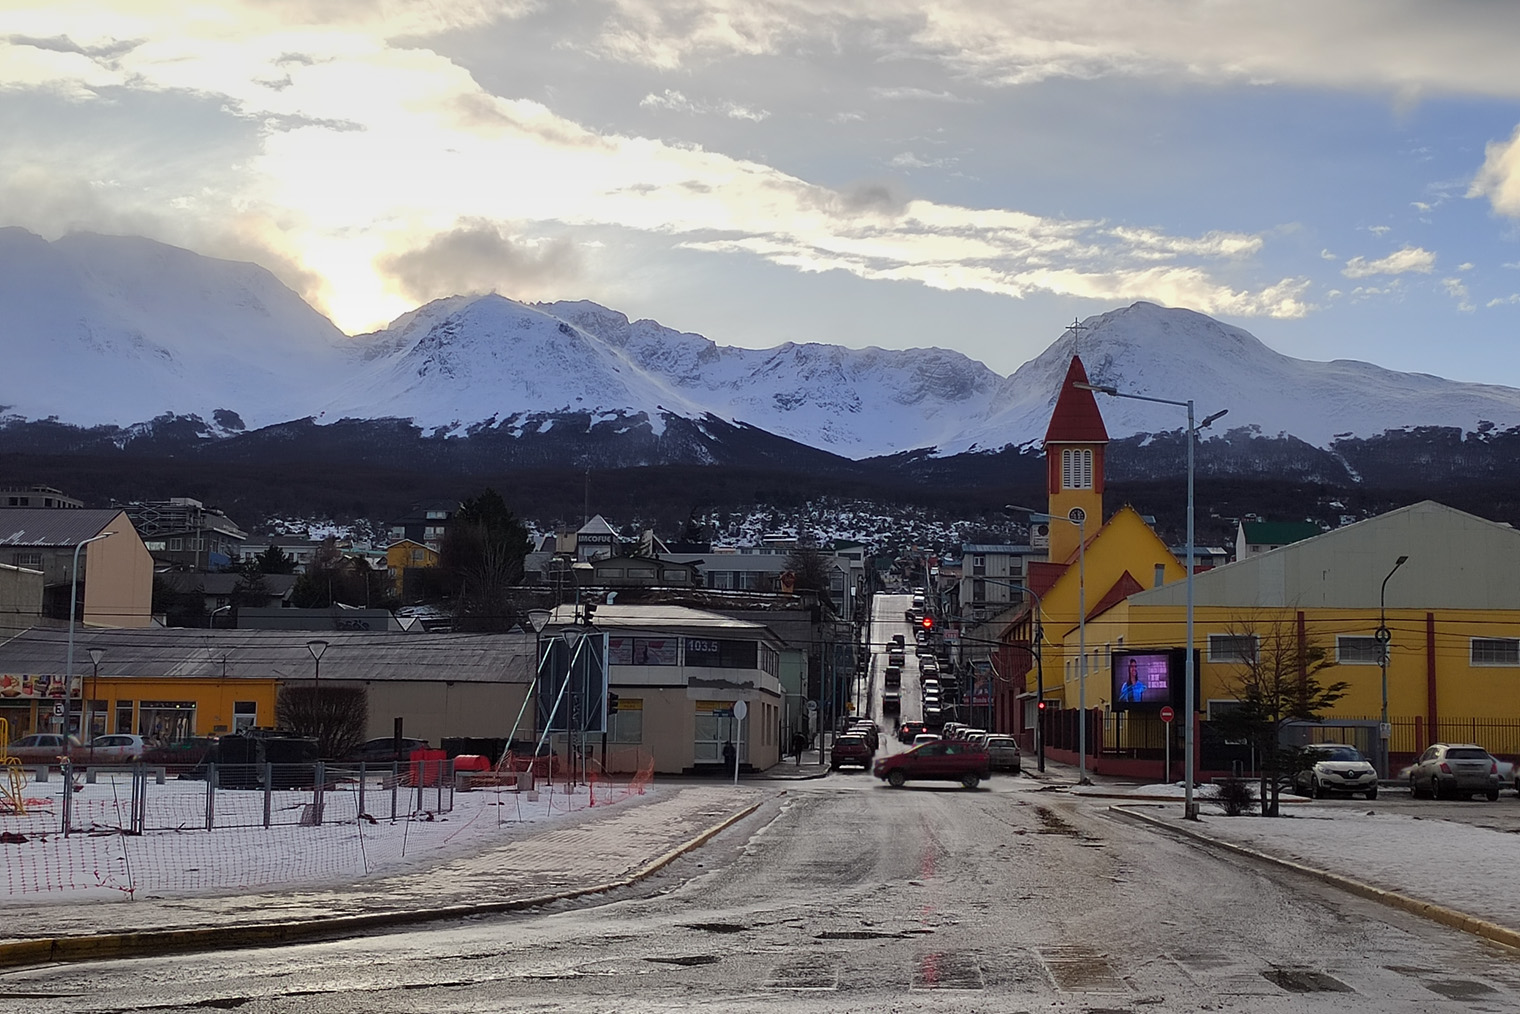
x: 1003, y: 754
x: 1328, y: 768
x: 1454, y: 769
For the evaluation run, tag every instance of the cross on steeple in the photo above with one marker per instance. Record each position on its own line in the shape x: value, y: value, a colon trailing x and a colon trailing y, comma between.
x: 1076, y: 328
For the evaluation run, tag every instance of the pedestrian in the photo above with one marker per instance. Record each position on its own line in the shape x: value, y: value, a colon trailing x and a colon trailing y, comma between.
x: 730, y: 755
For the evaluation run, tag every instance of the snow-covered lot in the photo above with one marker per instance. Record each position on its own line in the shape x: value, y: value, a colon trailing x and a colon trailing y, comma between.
x: 177, y: 855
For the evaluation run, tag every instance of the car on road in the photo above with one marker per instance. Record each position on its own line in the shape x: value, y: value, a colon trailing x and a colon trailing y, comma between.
x: 937, y: 760
x: 907, y: 730
x: 895, y: 658
x: 1003, y: 754
x: 869, y: 731
x: 116, y: 748
x: 891, y: 702
x: 924, y: 737
x: 1454, y: 769
x: 43, y: 747
x: 1326, y: 768
x: 851, y: 749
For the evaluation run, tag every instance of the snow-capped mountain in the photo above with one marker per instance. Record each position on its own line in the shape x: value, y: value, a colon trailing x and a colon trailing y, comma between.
x: 119, y: 330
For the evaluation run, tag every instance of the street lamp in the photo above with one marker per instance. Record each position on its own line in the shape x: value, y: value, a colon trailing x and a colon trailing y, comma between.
x: 1080, y: 520
x: 1189, y: 807
x: 1383, y: 637
x: 318, y: 719
x: 96, y: 654
x: 68, y: 674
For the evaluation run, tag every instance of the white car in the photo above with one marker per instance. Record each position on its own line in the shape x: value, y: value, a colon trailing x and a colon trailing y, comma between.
x: 1335, y: 768
x: 117, y: 748
x: 925, y: 737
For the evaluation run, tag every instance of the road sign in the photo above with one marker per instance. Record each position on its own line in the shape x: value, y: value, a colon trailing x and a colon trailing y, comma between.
x: 812, y: 707
x: 1383, y: 635
x: 1167, y: 714
x: 740, y: 709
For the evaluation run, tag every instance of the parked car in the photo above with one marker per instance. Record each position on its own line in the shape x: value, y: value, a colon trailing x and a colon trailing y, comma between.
x: 850, y: 749
x: 869, y: 731
x: 1454, y: 769
x: 938, y: 760
x: 1003, y: 754
x: 43, y: 747
x: 924, y: 737
x: 1325, y: 768
x: 116, y: 748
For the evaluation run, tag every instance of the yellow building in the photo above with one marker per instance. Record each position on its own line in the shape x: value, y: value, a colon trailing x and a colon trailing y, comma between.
x: 404, y: 556
x: 1451, y: 609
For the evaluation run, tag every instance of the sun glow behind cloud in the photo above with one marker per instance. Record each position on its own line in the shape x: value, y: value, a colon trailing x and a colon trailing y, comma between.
x: 368, y: 150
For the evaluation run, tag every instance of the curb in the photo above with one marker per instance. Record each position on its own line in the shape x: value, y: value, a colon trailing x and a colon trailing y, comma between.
x: 104, y: 946
x: 1450, y: 917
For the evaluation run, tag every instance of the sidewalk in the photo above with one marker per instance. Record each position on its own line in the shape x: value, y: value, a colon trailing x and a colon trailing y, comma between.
x: 1457, y: 874
x: 603, y: 849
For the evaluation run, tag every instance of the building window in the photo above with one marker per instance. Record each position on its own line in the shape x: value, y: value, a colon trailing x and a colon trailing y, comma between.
x: 978, y: 591
x: 32, y: 560
x: 641, y: 651
x: 1076, y: 468
x: 176, y: 545
x: 245, y: 715
x: 719, y: 653
x: 626, y: 724
x: 1496, y: 651
x: 1358, y: 651
x: 1232, y: 647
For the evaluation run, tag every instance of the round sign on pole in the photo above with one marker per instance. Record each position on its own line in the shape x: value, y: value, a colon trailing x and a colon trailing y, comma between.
x: 1167, y: 714
x: 812, y: 707
x: 740, y: 709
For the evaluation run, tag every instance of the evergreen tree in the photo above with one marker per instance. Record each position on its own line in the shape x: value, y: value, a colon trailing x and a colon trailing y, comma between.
x: 482, y: 557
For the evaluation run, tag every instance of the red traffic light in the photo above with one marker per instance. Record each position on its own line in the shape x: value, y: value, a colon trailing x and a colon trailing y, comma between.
x: 1041, y: 706
x: 928, y: 622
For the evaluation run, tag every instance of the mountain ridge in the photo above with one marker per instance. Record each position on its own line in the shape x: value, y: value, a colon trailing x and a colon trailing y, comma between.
x: 146, y: 331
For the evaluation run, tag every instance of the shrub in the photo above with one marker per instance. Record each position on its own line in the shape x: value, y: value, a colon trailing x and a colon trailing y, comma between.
x: 1236, y: 795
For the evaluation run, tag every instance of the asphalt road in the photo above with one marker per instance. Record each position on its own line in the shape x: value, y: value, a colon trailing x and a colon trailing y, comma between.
x: 845, y: 895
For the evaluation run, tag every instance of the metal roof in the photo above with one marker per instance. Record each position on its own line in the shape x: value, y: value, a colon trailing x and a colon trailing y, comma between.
x: 282, y: 654
x: 42, y: 526
x: 674, y: 619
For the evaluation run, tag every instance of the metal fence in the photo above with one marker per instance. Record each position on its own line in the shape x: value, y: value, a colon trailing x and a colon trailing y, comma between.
x: 215, y: 796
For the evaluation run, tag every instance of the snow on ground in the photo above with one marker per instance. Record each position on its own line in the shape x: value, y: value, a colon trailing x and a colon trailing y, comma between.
x: 1475, y: 870
x: 176, y: 855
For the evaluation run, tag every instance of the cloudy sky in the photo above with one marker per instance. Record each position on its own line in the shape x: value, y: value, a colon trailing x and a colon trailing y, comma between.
x: 1342, y: 179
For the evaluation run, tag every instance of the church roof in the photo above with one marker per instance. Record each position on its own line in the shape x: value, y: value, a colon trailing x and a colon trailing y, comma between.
x: 1076, y: 419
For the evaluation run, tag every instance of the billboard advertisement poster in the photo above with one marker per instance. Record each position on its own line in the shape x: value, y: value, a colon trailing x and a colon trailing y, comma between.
x: 1149, y: 680
x: 981, y: 683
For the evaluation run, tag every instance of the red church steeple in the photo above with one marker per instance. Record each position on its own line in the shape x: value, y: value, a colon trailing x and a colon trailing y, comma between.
x: 1074, y: 444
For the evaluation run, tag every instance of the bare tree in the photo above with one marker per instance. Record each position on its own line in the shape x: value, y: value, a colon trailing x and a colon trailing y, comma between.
x: 1276, y: 681
x: 335, y: 716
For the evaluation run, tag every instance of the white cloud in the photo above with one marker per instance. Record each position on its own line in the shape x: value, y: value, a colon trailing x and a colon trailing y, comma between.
x: 1465, y: 266
x: 1415, y: 49
x: 1326, y: 255
x: 1456, y: 290
x: 1498, y: 178
x: 1410, y: 258
x: 676, y: 102
x: 1512, y: 299
x: 1379, y: 230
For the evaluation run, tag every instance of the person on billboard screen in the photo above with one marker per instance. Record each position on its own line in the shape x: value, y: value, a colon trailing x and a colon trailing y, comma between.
x: 1132, y: 689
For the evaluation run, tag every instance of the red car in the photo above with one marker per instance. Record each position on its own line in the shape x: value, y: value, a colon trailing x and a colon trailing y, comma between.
x: 850, y: 750
x: 943, y: 760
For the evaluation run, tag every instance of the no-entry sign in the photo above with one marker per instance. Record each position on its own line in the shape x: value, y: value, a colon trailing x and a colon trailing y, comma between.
x: 1167, y: 714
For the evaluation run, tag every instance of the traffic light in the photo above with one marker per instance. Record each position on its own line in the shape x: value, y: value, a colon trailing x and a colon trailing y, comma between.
x: 1041, y: 706
x: 612, y: 703
x: 928, y: 622
x: 588, y: 610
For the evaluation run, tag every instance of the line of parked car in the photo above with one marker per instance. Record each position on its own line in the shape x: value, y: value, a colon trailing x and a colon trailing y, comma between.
x: 1444, y: 770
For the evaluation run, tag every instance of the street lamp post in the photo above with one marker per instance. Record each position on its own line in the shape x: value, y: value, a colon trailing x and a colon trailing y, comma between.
x: 317, y: 647
x: 68, y: 677
x: 85, y: 725
x: 1189, y: 807
x: 1081, y: 522
x: 1385, y: 733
